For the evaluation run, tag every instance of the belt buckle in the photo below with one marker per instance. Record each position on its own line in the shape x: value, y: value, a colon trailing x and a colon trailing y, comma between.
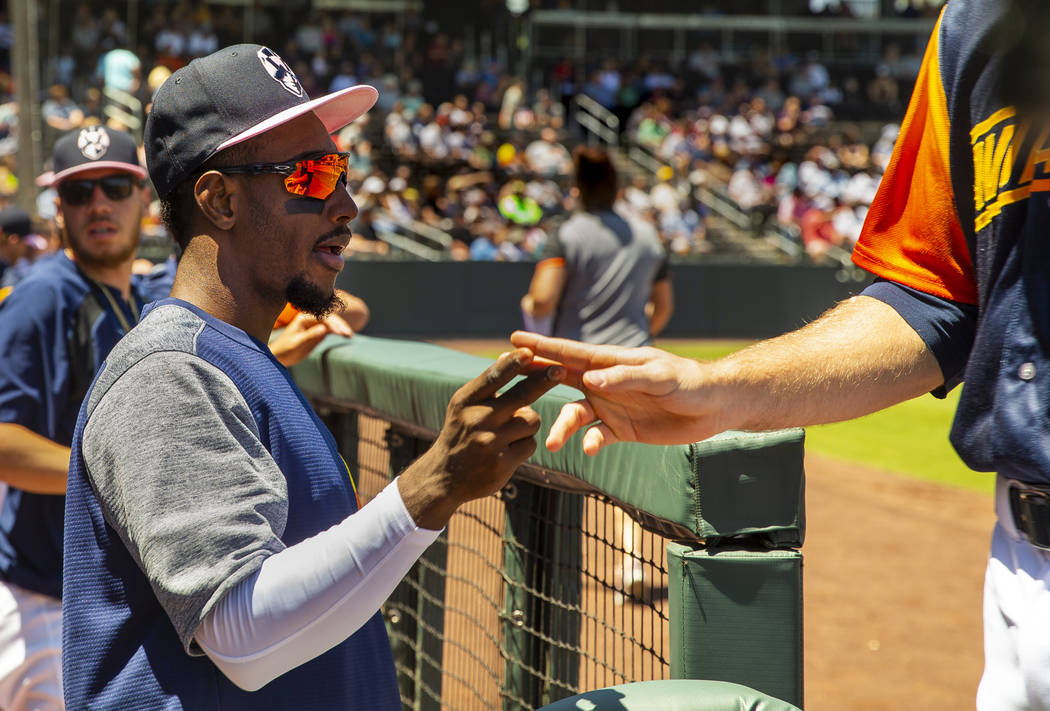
x: 1031, y: 512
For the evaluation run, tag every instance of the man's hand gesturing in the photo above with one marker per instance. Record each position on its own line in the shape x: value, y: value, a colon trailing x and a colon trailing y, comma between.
x: 485, y: 437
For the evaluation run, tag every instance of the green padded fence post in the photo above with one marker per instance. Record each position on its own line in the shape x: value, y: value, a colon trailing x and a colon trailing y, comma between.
x: 417, y: 630
x: 736, y: 615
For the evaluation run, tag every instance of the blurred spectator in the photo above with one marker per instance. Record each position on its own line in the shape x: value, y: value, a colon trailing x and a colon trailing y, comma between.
x: 883, y: 92
x: 113, y: 31
x: 8, y: 128
x: 85, y: 33
x: 202, y: 41
x: 120, y: 69
x: 518, y: 207
x: 7, y: 37
x: 704, y: 63
x: 513, y: 97
x: 344, y: 78
x: 60, y: 112
x: 702, y: 118
x: 20, y: 245
x: 546, y: 156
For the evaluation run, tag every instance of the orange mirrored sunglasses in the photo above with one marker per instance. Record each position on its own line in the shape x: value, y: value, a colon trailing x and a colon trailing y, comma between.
x: 314, y: 176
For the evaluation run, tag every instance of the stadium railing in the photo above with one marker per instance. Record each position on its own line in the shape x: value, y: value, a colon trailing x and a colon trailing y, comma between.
x: 642, y: 563
x: 600, y: 124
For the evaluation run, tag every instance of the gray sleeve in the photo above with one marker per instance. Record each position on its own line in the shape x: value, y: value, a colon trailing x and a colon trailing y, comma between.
x: 173, y: 451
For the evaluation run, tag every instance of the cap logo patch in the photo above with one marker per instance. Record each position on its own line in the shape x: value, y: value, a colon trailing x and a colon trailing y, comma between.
x: 281, y: 72
x: 93, y: 142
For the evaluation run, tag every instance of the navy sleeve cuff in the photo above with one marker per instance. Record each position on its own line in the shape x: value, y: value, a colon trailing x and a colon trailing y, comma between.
x: 946, y: 327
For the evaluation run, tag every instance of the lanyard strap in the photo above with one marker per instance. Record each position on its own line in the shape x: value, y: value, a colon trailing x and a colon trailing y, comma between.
x: 117, y: 310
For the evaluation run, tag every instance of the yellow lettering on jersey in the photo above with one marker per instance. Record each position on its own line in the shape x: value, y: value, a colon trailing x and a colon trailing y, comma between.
x: 1036, y: 157
x: 991, y: 122
x: 997, y: 142
x: 1003, y: 165
x: 980, y: 199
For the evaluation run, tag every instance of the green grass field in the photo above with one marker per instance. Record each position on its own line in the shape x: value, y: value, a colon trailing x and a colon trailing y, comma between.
x: 910, y: 438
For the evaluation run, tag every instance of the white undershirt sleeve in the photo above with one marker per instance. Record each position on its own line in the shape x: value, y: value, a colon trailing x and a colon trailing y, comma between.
x: 311, y: 596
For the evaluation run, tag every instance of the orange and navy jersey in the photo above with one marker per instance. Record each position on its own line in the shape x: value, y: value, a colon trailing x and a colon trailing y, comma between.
x: 958, y: 234
x: 912, y: 234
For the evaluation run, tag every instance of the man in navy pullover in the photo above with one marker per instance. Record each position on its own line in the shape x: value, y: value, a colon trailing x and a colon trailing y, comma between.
x: 56, y: 328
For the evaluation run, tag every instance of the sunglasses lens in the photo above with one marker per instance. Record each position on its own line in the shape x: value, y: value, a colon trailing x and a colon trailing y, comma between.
x: 76, y: 192
x: 117, y: 187
x: 318, y: 177
x: 79, y: 192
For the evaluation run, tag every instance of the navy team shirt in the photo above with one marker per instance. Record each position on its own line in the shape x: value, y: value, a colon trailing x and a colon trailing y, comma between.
x: 124, y: 647
x: 56, y: 328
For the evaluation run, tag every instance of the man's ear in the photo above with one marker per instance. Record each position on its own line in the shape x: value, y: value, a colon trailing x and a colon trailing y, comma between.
x: 214, y: 193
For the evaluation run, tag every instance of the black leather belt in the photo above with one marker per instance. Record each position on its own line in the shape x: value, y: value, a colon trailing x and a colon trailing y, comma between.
x: 1030, y: 506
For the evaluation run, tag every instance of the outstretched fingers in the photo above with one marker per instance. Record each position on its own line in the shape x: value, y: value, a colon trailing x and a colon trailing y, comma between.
x: 597, y: 437
x: 642, y: 378
x: 573, y: 417
x: 506, y: 367
x: 573, y: 354
x: 530, y: 389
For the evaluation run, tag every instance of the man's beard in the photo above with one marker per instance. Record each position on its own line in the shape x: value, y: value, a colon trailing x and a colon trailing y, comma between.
x: 307, y: 296
x: 105, y: 260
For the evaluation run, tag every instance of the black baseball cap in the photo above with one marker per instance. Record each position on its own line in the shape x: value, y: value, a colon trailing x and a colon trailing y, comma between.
x: 90, y: 148
x: 218, y: 101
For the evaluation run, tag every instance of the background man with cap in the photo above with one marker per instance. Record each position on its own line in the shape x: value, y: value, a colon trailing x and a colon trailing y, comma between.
x: 215, y: 553
x: 19, y: 243
x: 56, y: 328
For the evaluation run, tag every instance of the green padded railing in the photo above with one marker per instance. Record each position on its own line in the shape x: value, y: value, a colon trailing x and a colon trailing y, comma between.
x: 730, y: 507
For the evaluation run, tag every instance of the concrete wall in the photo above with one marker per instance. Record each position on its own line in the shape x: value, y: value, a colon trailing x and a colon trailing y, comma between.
x: 480, y: 299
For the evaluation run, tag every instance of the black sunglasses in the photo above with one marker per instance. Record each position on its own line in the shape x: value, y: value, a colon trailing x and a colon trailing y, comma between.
x: 114, y: 187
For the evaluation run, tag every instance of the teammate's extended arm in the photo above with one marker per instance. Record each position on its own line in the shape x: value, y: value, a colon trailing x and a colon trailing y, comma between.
x: 857, y: 358
x: 32, y: 462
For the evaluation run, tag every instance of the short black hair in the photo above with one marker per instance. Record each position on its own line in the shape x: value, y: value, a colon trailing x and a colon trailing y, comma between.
x: 595, y: 177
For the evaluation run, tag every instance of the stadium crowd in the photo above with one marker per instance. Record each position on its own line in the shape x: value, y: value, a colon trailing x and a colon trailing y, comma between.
x: 458, y: 143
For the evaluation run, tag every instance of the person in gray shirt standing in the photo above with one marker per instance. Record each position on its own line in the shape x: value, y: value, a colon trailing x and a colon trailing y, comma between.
x: 602, y: 278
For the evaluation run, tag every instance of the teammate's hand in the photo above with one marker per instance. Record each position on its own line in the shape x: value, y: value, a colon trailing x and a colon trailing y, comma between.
x: 632, y: 394
x: 302, y: 335
x: 486, y: 436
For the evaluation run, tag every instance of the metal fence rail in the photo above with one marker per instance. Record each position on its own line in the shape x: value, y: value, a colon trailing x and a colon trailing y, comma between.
x: 529, y: 596
x: 642, y: 563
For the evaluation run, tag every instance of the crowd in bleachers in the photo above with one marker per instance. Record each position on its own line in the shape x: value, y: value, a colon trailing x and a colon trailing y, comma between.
x: 460, y: 144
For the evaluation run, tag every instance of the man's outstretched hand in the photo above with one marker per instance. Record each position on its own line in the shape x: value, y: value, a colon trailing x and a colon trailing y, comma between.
x: 486, y: 436
x: 632, y: 394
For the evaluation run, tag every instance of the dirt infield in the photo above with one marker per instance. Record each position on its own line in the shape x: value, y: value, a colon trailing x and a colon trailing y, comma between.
x: 894, y: 569
x: 893, y: 574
